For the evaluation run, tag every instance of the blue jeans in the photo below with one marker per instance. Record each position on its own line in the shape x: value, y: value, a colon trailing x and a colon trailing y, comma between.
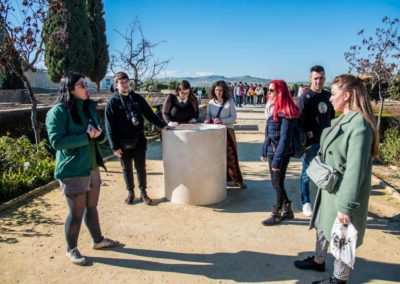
x: 305, y: 180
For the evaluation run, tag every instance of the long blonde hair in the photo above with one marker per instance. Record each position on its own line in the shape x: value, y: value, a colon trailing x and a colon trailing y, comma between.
x: 359, y: 102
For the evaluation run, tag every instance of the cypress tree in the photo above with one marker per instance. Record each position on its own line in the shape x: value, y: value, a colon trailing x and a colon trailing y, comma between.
x: 76, y: 53
x: 99, y: 43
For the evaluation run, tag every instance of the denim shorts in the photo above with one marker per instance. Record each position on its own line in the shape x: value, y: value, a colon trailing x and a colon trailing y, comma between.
x: 78, y: 185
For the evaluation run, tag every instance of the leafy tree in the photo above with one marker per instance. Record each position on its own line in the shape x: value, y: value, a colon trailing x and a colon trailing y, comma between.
x: 161, y: 86
x: 377, y: 58
x: 99, y: 42
x: 76, y: 53
x: 137, y: 57
x: 394, y: 90
x: 172, y: 84
x: 10, y: 81
x: 21, y: 40
x: 295, y: 89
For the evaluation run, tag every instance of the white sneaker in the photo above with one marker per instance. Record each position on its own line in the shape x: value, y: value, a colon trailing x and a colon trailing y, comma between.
x: 105, y: 243
x: 307, y: 209
x: 75, y: 256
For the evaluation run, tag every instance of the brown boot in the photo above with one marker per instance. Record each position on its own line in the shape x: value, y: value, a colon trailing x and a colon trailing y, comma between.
x: 274, y: 218
x: 287, y: 213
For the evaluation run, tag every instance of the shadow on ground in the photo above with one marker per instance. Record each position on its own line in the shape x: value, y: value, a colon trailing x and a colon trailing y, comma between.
x: 13, y: 222
x: 243, y: 266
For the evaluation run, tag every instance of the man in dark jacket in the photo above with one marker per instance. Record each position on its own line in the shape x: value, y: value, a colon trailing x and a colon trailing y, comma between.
x: 316, y: 114
x: 125, y: 128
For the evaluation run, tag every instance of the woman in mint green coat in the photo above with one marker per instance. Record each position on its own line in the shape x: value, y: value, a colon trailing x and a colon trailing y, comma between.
x: 74, y: 131
x: 351, y: 141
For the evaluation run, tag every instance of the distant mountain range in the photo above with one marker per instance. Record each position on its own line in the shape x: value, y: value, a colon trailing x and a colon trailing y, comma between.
x: 208, y: 80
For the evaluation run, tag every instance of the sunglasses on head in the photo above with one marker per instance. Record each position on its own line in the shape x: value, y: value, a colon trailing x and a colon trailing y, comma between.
x: 82, y: 84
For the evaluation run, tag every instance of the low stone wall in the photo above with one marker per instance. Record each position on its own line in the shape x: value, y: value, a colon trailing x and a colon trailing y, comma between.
x: 17, y: 122
x: 14, y: 96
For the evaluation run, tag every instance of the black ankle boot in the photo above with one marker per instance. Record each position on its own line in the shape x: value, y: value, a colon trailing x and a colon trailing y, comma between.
x: 274, y: 218
x: 145, y: 198
x: 287, y: 213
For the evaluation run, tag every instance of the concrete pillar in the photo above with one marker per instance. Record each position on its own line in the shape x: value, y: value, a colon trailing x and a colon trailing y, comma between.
x: 194, y: 157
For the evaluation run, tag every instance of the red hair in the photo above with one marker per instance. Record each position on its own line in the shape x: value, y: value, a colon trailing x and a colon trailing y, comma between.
x: 283, y: 101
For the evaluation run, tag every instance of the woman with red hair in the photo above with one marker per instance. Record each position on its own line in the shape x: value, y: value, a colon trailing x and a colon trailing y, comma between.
x: 281, y: 114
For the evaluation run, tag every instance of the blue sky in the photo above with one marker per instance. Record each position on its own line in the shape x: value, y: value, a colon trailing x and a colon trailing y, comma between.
x: 268, y: 39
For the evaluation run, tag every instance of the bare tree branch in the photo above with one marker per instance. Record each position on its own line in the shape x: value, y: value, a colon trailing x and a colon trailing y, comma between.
x: 137, y: 58
x: 21, y: 41
x: 377, y: 58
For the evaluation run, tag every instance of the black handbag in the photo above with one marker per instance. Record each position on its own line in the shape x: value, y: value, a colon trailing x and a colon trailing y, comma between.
x: 129, y: 144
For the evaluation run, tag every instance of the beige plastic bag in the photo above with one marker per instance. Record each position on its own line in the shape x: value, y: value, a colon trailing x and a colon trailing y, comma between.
x: 343, y: 242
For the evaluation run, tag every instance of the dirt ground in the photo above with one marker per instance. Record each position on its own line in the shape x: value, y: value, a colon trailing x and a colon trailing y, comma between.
x: 173, y: 243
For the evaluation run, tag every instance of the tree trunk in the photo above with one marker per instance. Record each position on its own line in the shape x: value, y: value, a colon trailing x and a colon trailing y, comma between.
x: 382, y: 101
x: 33, y: 100
x: 98, y: 87
x: 136, y: 83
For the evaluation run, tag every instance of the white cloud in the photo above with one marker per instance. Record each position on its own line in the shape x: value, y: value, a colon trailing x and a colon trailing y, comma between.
x: 203, y: 73
x: 178, y: 74
x: 168, y: 73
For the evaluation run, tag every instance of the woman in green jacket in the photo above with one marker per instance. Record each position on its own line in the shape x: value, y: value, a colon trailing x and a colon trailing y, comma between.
x: 352, y: 141
x: 74, y: 131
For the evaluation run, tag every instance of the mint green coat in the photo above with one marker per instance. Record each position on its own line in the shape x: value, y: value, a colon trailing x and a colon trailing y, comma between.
x: 349, y: 143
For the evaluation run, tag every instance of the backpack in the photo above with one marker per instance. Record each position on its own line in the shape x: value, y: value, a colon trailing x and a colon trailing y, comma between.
x: 299, y: 140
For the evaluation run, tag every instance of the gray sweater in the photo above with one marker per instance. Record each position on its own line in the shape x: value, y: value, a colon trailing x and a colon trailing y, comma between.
x: 227, y: 115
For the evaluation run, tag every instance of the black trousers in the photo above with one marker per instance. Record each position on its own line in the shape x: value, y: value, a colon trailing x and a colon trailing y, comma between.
x: 278, y: 180
x: 138, y: 156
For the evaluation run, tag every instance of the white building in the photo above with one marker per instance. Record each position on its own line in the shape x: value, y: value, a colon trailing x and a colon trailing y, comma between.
x: 41, y: 79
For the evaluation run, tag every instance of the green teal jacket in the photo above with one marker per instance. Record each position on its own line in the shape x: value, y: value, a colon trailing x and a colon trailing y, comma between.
x: 71, y: 141
x: 349, y: 144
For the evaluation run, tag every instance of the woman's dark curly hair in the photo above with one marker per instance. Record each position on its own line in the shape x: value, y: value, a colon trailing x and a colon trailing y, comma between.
x: 226, y: 92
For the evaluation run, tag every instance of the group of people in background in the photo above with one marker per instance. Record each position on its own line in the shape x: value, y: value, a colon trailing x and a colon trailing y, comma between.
x: 248, y: 94
x: 350, y: 139
x: 256, y: 94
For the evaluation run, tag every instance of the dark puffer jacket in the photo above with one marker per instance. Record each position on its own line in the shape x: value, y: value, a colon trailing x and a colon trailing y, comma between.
x: 278, y: 139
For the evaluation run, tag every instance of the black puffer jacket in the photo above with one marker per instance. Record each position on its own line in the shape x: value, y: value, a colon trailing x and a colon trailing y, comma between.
x: 278, y: 139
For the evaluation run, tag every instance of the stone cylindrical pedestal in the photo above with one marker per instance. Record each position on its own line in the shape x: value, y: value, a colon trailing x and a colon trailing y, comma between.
x: 194, y: 157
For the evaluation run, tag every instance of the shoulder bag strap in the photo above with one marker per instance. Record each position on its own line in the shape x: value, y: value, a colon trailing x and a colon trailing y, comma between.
x: 322, y: 153
x: 220, y: 109
x: 126, y: 108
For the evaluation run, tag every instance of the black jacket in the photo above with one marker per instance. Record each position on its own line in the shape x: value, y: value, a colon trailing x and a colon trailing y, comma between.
x: 118, y: 119
x: 181, y: 113
x: 316, y: 113
x: 278, y: 139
